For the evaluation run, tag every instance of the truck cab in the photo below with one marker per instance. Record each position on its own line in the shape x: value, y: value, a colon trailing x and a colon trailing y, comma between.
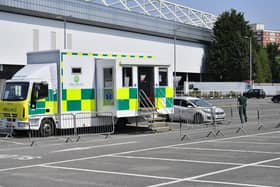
x: 18, y: 99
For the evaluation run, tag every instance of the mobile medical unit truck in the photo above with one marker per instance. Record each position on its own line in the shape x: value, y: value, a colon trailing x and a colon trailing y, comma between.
x: 58, y: 82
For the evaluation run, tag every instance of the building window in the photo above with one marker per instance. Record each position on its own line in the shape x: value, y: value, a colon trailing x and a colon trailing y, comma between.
x: 127, y: 76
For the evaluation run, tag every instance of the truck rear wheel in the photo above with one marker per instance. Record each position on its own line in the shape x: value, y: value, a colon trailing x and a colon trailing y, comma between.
x: 46, y: 128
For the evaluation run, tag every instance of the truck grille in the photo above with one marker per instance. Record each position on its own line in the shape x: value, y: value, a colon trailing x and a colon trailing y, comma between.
x: 10, y: 117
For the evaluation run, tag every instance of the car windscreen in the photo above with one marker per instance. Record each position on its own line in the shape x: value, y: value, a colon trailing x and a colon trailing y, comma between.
x: 15, y: 91
x: 201, y: 103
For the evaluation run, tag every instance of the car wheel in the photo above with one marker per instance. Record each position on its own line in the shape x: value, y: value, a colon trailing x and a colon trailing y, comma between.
x: 197, y: 119
x: 46, y: 128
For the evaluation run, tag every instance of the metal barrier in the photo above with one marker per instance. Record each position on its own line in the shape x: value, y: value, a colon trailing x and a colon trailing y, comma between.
x: 261, y: 117
x: 196, y: 118
x: 67, y: 126
x: 6, y: 124
x: 70, y: 127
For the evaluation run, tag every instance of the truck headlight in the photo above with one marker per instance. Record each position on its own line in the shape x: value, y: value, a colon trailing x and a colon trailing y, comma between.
x: 22, y: 124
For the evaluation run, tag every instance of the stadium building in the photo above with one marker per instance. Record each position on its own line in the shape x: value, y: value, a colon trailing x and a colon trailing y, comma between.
x: 175, y: 34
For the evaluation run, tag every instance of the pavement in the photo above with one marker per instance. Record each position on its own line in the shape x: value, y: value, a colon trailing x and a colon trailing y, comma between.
x: 250, y: 158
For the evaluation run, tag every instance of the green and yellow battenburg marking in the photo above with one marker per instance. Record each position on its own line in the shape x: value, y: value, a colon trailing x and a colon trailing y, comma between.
x: 72, y: 100
x: 127, y: 99
x: 164, y: 97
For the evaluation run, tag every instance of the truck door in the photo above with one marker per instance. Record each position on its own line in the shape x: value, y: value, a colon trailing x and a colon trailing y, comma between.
x: 105, y: 85
x: 146, y: 82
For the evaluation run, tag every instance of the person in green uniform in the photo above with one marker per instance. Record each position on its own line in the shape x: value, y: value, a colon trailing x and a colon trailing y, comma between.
x: 242, y: 104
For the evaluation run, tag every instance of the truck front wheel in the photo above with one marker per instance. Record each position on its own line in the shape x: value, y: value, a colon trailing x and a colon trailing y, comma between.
x: 46, y: 128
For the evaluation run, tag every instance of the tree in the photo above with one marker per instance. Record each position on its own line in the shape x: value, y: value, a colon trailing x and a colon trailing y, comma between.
x: 263, y: 72
x: 228, y: 58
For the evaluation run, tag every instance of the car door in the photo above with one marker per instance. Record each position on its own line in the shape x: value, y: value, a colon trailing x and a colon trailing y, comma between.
x: 177, y: 109
x: 187, y: 110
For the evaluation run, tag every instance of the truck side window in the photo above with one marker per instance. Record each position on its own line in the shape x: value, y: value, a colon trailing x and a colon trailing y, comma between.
x: 76, y: 70
x: 39, y: 91
x: 127, y: 76
x: 163, y: 78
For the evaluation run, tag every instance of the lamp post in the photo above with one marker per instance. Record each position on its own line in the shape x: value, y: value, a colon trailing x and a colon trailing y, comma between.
x: 64, y: 19
x: 250, y: 60
x: 64, y: 31
x: 175, y: 59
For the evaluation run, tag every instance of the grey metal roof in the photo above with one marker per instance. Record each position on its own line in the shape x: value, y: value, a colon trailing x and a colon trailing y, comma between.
x: 110, y: 15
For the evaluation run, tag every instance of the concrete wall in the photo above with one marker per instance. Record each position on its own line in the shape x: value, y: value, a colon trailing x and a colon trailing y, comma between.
x: 18, y: 36
x: 226, y: 87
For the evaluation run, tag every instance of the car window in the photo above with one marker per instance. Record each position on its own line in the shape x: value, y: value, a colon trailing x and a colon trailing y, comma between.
x: 186, y: 103
x: 201, y: 103
x: 177, y: 102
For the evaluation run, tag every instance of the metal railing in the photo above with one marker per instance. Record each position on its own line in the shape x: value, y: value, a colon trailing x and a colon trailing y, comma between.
x: 146, y: 107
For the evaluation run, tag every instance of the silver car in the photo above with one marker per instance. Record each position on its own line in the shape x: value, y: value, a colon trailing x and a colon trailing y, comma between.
x: 195, y: 110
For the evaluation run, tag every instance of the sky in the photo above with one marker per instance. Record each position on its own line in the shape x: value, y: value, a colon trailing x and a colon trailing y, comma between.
x: 255, y: 11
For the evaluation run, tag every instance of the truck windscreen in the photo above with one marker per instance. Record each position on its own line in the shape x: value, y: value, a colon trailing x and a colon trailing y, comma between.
x: 15, y: 91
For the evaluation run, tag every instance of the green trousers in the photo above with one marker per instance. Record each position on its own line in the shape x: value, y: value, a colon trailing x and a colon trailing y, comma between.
x: 242, y: 112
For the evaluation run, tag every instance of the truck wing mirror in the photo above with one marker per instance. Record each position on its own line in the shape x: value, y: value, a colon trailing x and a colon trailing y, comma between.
x: 34, y: 97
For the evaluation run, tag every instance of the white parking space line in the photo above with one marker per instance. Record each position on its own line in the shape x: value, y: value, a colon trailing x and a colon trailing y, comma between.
x: 268, y: 166
x: 83, y: 142
x: 250, y: 142
x: 228, y: 183
x: 215, y: 172
x: 20, y: 167
x: 12, y: 142
x: 225, y: 150
x: 110, y: 172
x: 134, y: 151
x: 270, y: 136
x: 92, y: 147
x: 179, y: 160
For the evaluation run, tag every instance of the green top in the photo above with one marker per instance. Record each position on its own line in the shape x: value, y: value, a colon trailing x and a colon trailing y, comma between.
x: 242, y: 100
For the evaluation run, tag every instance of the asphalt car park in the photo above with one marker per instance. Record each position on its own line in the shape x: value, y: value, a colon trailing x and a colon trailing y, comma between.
x: 161, y: 159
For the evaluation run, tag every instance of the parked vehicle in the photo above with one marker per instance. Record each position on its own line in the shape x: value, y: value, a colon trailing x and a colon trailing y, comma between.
x: 56, y: 83
x: 195, y: 110
x: 257, y: 93
x: 276, y: 99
